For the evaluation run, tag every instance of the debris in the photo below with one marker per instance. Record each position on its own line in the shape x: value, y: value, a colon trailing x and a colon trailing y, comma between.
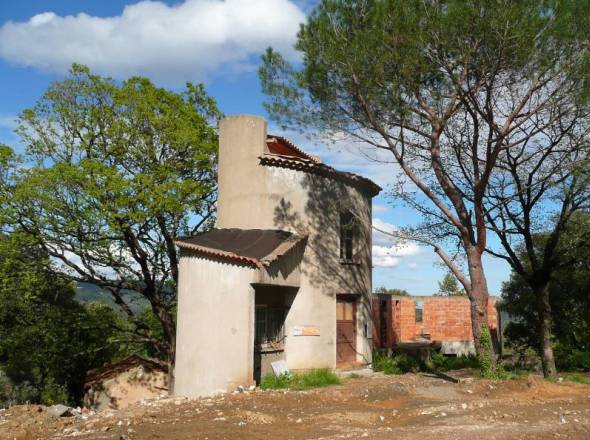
x: 279, y: 367
x: 60, y: 411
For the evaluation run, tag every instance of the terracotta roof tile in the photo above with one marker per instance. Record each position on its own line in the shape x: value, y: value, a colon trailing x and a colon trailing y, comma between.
x: 314, y: 167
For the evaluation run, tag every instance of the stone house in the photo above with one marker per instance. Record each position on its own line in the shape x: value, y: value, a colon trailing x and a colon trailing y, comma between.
x: 444, y: 320
x: 285, y: 274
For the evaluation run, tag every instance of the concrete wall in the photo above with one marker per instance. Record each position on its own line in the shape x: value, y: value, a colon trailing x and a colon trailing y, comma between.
x: 263, y: 197
x: 215, y: 339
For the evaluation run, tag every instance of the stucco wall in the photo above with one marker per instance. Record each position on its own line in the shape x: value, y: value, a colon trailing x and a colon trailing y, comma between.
x: 215, y: 341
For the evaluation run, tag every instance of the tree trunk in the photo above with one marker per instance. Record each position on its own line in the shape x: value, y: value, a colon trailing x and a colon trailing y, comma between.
x: 545, y: 329
x: 478, y: 296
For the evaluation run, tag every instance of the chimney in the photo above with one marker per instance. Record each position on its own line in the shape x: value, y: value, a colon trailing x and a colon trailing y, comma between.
x: 242, y: 139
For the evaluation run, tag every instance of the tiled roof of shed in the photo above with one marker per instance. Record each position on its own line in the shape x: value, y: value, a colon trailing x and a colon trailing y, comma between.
x: 256, y: 247
x: 314, y: 167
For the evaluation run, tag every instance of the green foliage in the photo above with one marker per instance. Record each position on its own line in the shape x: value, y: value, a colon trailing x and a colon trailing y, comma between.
x: 440, y: 362
x: 47, y: 339
x: 449, y: 286
x: 578, y: 378
x: 394, y: 291
x: 568, y: 359
x: 399, y: 363
x: 568, y: 297
x: 118, y: 171
x: 322, y: 377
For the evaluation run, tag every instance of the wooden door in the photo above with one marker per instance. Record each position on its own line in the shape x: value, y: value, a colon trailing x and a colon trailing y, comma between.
x: 345, y: 330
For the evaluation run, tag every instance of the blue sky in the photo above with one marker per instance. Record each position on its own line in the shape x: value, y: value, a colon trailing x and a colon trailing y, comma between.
x: 216, y: 42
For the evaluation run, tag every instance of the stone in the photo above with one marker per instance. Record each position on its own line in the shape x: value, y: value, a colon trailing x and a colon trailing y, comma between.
x: 60, y: 411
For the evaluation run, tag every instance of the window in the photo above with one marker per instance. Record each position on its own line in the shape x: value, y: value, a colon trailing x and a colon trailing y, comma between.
x: 269, y: 324
x: 419, y: 311
x: 347, y: 232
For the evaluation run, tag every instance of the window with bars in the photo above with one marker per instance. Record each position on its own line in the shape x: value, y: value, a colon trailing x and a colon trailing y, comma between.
x: 269, y: 324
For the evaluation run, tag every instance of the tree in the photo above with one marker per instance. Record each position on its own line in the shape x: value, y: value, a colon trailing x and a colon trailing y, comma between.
x: 569, y: 298
x: 394, y: 291
x: 540, y: 185
x: 441, y: 86
x: 448, y: 286
x: 120, y: 170
x: 48, y: 341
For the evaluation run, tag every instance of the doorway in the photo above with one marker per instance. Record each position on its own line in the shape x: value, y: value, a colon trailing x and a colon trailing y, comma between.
x: 345, y: 329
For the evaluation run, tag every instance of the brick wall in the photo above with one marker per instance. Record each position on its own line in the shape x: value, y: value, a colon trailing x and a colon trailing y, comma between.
x: 443, y: 318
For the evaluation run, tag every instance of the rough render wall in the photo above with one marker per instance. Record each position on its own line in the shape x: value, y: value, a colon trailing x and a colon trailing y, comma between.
x: 253, y: 196
x: 128, y: 387
x: 445, y: 319
x: 215, y: 340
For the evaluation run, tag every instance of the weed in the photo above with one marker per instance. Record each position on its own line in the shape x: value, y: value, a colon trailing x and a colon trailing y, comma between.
x: 304, y: 381
x: 396, y: 364
x: 578, y: 378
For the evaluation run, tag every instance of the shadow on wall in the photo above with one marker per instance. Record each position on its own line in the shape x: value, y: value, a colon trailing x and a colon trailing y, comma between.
x: 322, y: 265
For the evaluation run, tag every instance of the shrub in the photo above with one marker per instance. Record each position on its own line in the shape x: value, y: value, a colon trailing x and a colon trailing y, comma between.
x: 322, y: 377
x: 397, y: 364
x: 568, y: 359
x: 440, y: 362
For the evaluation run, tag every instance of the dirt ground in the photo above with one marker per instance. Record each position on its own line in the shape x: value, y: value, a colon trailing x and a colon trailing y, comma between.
x: 376, y: 407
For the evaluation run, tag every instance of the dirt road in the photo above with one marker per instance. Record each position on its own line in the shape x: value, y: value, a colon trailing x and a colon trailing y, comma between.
x: 377, y: 407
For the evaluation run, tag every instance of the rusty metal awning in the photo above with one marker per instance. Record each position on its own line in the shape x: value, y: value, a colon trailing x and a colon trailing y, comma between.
x: 256, y: 247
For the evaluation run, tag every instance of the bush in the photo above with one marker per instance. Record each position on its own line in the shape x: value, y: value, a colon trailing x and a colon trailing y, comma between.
x: 313, y: 379
x: 397, y: 364
x: 568, y: 359
x: 440, y: 362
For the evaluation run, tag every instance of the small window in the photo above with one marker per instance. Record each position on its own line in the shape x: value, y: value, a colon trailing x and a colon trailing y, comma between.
x: 419, y: 311
x: 347, y: 232
x: 269, y: 324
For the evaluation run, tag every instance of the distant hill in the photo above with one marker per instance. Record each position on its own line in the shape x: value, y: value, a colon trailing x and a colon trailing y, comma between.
x: 86, y: 292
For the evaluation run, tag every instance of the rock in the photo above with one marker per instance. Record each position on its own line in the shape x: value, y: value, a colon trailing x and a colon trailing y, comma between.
x: 242, y: 424
x: 60, y: 411
x: 464, y: 405
x: 241, y: 389
x: 381, y: 418
x: 298, y: 421
x: 251, y: 387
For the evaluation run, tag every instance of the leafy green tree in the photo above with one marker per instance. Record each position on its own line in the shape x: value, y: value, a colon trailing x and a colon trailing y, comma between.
x: 449, y: 286
x: 48, y: 341
x: 569, y: 298
x: 394, y: 291
x: 444, y: 87
x: 120, y: 170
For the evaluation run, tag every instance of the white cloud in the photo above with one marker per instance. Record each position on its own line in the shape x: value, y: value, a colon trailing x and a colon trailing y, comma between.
x: 380, y: 209
x: 168, y: 43
x: 389, y: 251
x: 7, y: 121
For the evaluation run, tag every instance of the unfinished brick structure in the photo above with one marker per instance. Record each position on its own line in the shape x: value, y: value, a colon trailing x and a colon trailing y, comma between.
x: 447, y: 320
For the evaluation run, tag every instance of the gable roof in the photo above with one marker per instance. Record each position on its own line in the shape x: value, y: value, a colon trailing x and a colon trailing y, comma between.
x: 284, y: 154
x: 255, y: 247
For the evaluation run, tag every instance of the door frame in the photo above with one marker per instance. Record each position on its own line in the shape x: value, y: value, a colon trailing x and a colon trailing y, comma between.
x: 354, y: 299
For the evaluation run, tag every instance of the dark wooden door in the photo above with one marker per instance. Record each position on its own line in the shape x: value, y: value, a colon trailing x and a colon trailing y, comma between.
x: 345, y: 330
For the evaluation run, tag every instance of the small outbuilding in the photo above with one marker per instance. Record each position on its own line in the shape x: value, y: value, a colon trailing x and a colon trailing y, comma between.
x: 441, y: 320
x: 118, y: 385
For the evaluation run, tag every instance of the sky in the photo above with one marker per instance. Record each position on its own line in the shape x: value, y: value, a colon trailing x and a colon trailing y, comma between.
x: 215, y: 42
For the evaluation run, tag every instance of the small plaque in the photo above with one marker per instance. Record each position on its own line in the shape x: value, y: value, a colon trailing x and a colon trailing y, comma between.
x: 306, y: 330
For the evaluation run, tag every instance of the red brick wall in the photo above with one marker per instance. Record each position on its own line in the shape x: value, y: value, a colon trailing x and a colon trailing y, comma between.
x: 443, y: 318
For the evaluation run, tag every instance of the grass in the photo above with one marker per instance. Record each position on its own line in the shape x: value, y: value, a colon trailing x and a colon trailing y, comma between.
x: 578, y: 378
x: 300, y: 381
